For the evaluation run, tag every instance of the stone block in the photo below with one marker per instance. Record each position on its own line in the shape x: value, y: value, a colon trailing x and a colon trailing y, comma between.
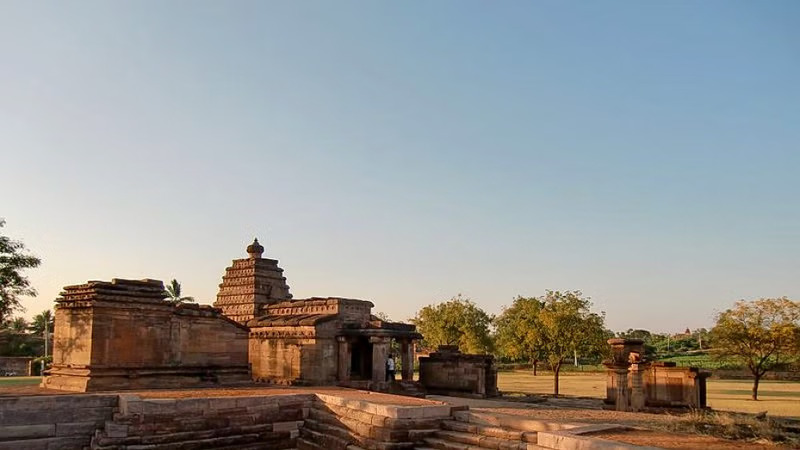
x: 116, y: 430
x: 218, y: 403
x: 192, y: 405
x: 159, y: 406
x: 286, y: 426
x: 27, y: 431
x: 77, y: 428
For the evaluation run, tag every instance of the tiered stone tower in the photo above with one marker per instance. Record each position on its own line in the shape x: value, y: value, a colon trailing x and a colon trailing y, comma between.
x: 250, y: 284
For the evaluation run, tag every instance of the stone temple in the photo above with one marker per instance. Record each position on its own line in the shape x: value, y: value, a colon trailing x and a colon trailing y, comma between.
x: 122, y: 335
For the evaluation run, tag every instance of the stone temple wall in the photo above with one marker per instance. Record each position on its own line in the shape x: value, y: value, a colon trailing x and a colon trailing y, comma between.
x: 449, y: 371
x: 298, y: 355
x: 123, y: 335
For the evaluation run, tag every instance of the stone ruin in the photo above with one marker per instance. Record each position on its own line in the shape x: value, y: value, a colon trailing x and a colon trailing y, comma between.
x: 123, y: 335
x: 634, y: 384
x: 16, y: 366
x: 447, y: 371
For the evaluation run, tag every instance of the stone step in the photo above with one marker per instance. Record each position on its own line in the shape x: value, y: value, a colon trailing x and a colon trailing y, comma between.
x: 263, y: 430
x: 443, y: 444
x: 266, y: 440
x: 43, y: 443
x: 479, y: 441
x: 262, y: 446
x: 304, y: 444
x: 329, y: 429
x: 489, y: 431
x: 321, y: 440
x: 508, y: 421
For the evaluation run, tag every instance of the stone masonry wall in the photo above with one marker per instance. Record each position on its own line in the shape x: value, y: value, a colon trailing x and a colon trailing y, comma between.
x: 53, y: 421
x: 18, y: 365
x: 263, y: 422
x: 449, y: 371
x: 121, y: 335
x: 127, y: 422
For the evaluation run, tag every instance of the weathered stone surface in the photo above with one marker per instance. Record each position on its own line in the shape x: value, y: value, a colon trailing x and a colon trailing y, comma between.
x: 19, y: 366
x: 449, y: 371
x: 250, y: 284
x: 122, y: 335
x: 632, y: 383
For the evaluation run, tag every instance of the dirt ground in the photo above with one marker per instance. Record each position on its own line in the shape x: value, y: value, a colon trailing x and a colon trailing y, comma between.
x: 681, y: 441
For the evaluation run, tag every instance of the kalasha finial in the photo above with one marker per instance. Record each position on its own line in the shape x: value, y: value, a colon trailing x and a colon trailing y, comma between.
x: 255, y: 250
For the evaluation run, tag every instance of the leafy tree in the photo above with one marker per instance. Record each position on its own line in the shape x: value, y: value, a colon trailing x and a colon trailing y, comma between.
x: 517, y: 335
x: 760, y: 334
x: 458, y: 321
x: 13, y: 284
x: 173, y: 292
x: 42, y: 320
x: 566, y: 326
x: 636, y: 334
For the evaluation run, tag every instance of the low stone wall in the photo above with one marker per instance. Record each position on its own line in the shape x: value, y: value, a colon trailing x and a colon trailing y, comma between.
x: 450, y: 372
x: 53, y: 421
x: 264, y: 422
x: 668, y: 385
x: 126, y: 421
x: 19, y: 366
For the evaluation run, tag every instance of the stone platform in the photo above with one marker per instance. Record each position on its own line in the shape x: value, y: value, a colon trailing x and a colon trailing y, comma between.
x: 253, y: 418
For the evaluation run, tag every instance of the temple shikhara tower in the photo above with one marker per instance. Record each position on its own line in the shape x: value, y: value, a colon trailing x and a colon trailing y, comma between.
x: 251, y: 283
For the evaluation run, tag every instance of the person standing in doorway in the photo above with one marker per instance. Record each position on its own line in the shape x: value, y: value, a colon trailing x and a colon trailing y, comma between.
x: 390, y: 368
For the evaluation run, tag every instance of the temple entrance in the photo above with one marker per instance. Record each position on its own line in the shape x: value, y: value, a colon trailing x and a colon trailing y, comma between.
x: 361, y: 359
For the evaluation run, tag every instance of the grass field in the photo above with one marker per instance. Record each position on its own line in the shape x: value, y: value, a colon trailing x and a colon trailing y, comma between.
x: 778, y: 398
x: 19, y: 381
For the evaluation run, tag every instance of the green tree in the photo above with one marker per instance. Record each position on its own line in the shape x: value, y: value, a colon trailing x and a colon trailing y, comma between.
x: 42, y: 320
x: 13, y: 284
x: 760, y: 334
x: 458, y: 321
x: 18, y: 325
x: 517, y: 336
x: 566, y: 327
x: 173, y: 292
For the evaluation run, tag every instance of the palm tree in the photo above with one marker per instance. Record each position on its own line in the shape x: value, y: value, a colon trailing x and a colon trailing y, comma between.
x: 174, y: 293
x: 42, y: 320
x: 18, y: 325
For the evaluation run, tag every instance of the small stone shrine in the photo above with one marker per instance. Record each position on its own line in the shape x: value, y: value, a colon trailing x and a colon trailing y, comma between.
x: 634, y: 383
x: 447, y: 371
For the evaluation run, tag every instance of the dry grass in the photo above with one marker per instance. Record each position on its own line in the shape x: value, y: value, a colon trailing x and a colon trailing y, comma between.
x: 778, y: 398
x: 739, y: 427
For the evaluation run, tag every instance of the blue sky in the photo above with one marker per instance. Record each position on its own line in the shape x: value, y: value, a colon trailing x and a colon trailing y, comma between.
x: 404, y: 152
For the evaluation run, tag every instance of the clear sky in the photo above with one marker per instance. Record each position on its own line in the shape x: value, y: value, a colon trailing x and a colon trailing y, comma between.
x: 403, y: 152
